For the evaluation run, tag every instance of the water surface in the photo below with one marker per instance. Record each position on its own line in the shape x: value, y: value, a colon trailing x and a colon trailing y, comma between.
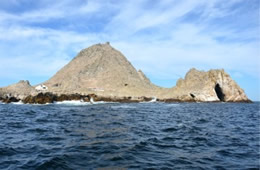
x: 131, y: 136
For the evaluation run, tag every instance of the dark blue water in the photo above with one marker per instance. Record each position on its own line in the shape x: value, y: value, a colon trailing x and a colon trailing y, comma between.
x: 130, y: 136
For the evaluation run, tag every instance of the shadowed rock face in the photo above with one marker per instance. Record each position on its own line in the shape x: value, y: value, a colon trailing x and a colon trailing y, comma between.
x: 44, y: 98
x: 219, y: 92
x: 105, y: 74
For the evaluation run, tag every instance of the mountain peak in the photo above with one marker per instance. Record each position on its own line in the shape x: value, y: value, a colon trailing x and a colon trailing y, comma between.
x: 100, y: 69
x: 100, y: 46
x: 96, y: 48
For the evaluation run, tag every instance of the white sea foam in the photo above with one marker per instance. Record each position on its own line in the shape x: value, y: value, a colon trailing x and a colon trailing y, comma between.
x: 123, y: 107
x: 154, y: 100
x: 73, y: 102
x: 37, y: 104
x: 102, y: 102
x: 99, y: 102
x: 91, y: 100
x: 80, y: 103
x: 172, y: 105
x: 20, y: 102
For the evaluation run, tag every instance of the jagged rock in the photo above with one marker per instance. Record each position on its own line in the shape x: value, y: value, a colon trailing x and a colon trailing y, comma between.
x: 41, y: 98
x: 64, y: 97
x: 211, y: 86
x: 10, y: 100
x: 116, y: 99
x: 19, y: 90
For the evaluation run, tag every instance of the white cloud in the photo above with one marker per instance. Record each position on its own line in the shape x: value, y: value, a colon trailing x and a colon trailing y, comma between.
x: 155, y: 39
x: 57, y: 10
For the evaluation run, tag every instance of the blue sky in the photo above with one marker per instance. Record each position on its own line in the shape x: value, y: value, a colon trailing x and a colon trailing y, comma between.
x: 164, y: 38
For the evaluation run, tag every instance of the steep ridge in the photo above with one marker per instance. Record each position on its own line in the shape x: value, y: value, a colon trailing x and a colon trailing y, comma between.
x: 102, y: 70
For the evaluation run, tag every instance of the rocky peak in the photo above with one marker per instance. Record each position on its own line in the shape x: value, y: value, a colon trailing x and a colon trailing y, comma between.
x: 18, y: 90
x: 214, y: 85
x: 94, y: 49
x: 24, y: 82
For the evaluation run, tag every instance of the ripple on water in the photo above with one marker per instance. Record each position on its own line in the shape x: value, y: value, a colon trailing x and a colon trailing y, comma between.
x: 55, y: 163
x: 171, y: 129
x: 7, y: 151
x: 130, y: 136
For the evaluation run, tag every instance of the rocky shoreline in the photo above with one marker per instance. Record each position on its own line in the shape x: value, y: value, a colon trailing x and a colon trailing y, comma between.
x: 45, y: 98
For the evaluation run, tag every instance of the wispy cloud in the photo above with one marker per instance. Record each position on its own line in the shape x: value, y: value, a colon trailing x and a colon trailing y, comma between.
x: 163, y: 38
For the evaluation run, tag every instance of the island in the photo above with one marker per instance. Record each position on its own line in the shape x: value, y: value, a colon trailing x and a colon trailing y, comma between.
x: 102, y: 73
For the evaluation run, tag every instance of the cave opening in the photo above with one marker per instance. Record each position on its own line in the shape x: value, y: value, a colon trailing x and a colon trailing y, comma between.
x: 219, y: 92
x: 192, y: 95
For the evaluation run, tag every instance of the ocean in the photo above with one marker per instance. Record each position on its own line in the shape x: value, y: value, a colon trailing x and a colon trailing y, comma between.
x: 74, y: 135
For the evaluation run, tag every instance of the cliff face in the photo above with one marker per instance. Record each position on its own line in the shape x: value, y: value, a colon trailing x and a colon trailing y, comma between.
x: 214, y: 85
x: 105, y: 72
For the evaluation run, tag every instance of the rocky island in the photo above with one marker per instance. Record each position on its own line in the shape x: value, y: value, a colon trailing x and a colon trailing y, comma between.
x: 102, y: 73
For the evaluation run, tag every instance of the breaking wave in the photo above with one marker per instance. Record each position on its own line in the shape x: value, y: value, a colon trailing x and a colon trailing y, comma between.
x: 80, y: 103
x: 72, y: 102
x: 20, y: 102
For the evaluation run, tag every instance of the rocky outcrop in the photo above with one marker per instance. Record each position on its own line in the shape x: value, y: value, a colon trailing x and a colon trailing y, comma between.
x: 19, y: 91
x: 128, y: 99
x: 45, y: 98
x: 10, y: 100
x: 211, y: 86
x: 41, y: 98
x: 102, y: 73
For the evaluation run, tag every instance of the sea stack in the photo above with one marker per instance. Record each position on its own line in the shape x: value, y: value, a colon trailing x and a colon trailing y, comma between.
x: 103, y: 72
